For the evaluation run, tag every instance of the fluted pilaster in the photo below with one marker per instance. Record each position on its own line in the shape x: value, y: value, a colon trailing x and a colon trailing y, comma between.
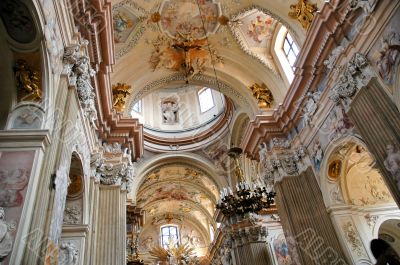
x: 111, y: 227
x: 305, y: 219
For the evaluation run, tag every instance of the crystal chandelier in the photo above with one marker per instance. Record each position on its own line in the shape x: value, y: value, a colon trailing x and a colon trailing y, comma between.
x: 248, y: 198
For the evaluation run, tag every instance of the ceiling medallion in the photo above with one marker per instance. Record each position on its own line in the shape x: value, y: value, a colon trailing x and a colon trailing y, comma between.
x: 196, y: 18
x: 303, y: 12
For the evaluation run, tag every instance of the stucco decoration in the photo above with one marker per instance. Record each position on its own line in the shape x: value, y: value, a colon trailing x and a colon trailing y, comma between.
x: 69, y: 253
x: 61, y: 183
x: 353, y: 239
x: 73, y: 212
x: 113, y: 166
x: 353, y: 76
x: 367, y: 5
x: 129, y: 21
x: 310, y: 106
x: 77, y: 68
x: 6, y: 241
x: 253, y: 29
x: 282, y: 161
x: 52, y: 36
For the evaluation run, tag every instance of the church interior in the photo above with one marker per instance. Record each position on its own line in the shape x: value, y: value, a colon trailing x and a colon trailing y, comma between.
x: 199, y: 132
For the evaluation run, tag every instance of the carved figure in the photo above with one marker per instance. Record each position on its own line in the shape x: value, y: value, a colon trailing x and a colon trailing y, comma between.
x: 120, y: 93
x: 310, y: 107
x: 5, y: 237
x: 392, y: 163
x: 303, y: 12
x: 170, y: 112
x: 28, y: 81
x: 263, y: 95
x: 69, y: 254
x: 367, y: 5
x: 318, y: 155
x: 263, y: 152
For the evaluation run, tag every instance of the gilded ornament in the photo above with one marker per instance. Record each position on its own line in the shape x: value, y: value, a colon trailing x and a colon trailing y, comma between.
x: 334, y: 170
x: 155, y: 17
x: 120, y: 93
x: 223, y: 20
x: 263, y: 95
x: 28, y: 82
x: 303, y: 12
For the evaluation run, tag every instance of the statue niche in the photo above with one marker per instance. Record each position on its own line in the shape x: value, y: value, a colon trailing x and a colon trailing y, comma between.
x: 169, y: 107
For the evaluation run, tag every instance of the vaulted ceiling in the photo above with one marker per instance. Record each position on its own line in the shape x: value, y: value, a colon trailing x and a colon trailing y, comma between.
x: 228, y: 40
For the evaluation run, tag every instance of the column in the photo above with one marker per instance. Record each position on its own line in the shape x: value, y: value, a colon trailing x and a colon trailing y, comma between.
x: 378, y: 121
x: 305, y: 219
x: 111, y: 226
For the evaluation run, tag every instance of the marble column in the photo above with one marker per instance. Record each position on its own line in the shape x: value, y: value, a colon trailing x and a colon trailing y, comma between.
x: 305, y: 220
x: 378, y: 121
x: 111, y: 226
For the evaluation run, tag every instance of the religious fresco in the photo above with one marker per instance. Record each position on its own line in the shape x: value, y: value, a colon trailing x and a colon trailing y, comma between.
x: 186, y: 17
x: 15, y: 174
x: 254, y: 30
x: 258, y: 28
x: 178, y: 172
x: 281, y: 251
x: 123, y: 22
x: 385, y: 54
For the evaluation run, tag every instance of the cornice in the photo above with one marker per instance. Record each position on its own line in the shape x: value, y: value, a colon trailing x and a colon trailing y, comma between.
x: 321, y: 38
x: 92, y: 20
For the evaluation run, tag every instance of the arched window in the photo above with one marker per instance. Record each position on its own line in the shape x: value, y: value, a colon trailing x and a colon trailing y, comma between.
x: 286, y: 51
x: 290, y: 49
x: 206, y: 99
x: 169, y: 234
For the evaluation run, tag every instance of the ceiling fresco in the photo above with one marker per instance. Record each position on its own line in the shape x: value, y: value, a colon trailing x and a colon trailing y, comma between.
x: 180, y: 192
x: 185, y: 18
x: 155, y: 40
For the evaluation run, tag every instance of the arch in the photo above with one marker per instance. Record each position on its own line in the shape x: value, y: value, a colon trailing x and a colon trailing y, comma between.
x: 191, y: 159
x: 26, y: 47
x: 333, y: 147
